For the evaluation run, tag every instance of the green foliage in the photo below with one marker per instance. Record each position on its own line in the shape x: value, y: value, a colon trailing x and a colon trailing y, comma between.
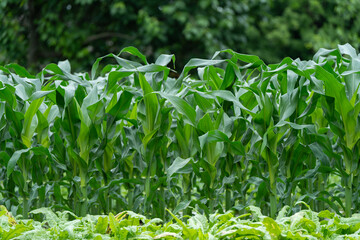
x: 229, y: 133
x: 305, y: 224
x: 35, y: 32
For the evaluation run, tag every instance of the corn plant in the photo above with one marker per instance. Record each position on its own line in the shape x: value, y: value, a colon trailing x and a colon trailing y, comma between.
x: 228, y: 133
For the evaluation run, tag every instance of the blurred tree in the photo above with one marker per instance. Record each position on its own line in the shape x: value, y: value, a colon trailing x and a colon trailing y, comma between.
x: 298, y: 28
x: 34, y: 32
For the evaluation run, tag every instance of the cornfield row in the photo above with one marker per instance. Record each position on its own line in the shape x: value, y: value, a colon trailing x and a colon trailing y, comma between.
x: 229, y: 132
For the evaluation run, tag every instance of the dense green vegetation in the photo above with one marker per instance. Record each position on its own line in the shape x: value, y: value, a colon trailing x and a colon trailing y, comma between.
x: 305, y: 224
x: 229, y: 133
x: 34, y: 32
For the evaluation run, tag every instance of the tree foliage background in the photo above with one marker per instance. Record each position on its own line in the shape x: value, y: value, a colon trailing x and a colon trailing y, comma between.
x: 34, y: 33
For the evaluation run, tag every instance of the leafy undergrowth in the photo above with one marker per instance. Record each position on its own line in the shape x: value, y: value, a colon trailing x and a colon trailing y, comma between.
x: 305, y: 224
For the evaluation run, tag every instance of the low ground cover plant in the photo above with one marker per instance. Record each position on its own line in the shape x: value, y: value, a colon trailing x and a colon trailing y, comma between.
x: 304, y: 224
x: 227, y: 133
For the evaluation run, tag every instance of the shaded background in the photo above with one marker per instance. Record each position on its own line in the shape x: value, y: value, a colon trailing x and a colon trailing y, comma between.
x: 34, y: 33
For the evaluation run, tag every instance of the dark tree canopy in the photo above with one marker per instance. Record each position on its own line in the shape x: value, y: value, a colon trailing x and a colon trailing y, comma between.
x: 34, y: 33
